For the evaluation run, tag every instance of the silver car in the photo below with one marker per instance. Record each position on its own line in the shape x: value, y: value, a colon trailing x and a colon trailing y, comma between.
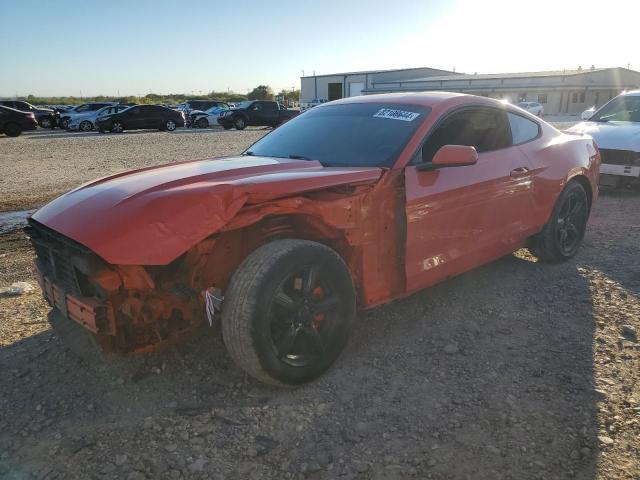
x: 86, y: 121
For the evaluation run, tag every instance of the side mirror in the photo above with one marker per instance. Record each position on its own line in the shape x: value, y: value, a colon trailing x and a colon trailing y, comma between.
x: 451, y: 156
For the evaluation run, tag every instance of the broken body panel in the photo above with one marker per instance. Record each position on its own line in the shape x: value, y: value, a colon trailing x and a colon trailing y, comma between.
x: 147, y: 243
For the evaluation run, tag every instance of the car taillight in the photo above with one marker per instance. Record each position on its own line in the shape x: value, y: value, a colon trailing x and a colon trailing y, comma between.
x: 31, y: 115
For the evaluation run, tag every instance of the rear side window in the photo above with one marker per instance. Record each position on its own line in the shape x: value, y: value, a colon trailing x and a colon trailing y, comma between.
x: 522, y: 129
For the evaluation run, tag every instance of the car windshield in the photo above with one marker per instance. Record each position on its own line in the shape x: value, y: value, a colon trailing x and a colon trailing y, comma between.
x: 357, y: 134
x: 625, y: 108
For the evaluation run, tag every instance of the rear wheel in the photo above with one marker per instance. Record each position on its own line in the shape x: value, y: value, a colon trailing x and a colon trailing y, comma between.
x: 86, y: 126
x: 170, y: 125
x: 12, y: 130
x: 46, y: 122
x: 288, y: 311
x: 562, y: 236
x: 239, y: 123
x: 203, y: 123
x: 117, y: 126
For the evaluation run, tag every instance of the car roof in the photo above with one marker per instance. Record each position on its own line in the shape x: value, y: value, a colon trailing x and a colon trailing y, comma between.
x: 4, y: 107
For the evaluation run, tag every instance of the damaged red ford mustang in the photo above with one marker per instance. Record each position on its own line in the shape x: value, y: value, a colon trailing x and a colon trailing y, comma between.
x: 350, y: 205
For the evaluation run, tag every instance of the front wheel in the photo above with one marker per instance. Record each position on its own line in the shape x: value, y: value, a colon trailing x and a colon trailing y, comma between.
x: 117, y: 126
x: 46, y: 122
x: 288, y: 311
x: 562, y: 236
x: 239, y: 123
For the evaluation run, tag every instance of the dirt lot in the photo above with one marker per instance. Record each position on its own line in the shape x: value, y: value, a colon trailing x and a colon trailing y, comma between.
x: 39, y: 166
x: 516, y: 370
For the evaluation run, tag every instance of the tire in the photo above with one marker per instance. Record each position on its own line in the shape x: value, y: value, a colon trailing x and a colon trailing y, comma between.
x: 117, y: 126
x: 12, y: 130
x: 170, y: 126
x: 45, y: 122
x: 288, y: 311
x: 65, y: 123
x: 86, y: 126
x: 562, y: 235
x: 226, y: 126
x: 202, y: 123
x: 239, y: 123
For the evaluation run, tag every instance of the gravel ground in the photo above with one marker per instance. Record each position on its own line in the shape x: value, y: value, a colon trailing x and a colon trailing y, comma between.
x: 515, y: 370
x: 37, y: 167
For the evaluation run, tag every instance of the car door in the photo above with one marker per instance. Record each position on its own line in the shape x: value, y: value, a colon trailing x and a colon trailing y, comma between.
x: 132, y: 118
x: 271, y: 113
x: 461, y: 217
x: 257, y: 114
x: 152, y: 116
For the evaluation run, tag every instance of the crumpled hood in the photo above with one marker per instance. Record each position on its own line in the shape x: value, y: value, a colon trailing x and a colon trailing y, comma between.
x: 611, y: 135
x: 152, y: 215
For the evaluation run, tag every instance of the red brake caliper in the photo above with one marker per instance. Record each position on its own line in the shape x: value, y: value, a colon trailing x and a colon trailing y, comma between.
x: 318, y: 294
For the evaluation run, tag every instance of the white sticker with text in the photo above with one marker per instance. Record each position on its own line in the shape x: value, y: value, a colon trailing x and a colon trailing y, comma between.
x: 396, y: 114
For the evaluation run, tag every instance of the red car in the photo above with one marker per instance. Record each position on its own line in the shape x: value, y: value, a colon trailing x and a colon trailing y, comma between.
x: 352, y: 204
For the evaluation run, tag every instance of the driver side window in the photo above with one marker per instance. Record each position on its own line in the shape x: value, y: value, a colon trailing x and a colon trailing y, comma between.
x: 486, y: 129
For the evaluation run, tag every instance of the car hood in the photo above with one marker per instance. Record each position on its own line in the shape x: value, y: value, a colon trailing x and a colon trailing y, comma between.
x: 153, y: 215
x: 611, y: 135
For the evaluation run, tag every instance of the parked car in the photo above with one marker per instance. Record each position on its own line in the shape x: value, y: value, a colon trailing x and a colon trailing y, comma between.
x: 86, y: 121
x: 532, y: 107
x: 13, y: 122
x: 208, y: 117
x: 200, y: 105
x: 66, y: 117
x: 313, y: 103
x: 256, y: 113
x: 351, y: 205
x: 44, y: 116
x: 616, y: 129
x: 141, y: 117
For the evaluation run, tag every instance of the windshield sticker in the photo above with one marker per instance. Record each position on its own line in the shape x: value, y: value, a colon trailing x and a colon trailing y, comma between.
x: 396, y: 114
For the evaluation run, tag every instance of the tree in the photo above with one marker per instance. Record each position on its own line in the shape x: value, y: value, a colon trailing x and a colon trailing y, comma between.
x: 261, y: 92
x: 290, y: 95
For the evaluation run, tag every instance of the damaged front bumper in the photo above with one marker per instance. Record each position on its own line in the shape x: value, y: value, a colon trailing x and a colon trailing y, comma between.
x: 94, y: 315
x: 123, y: 306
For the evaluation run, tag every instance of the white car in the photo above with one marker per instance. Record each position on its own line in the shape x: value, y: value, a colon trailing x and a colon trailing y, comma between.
x: 86, y: 121
x: 66, y: 117
x: 616, y: 129
x: 532, y: 107
x: 208, y: 117
x: 313, y: 103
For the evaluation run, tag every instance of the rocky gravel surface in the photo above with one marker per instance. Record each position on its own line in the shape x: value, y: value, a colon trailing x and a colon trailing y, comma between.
x: 38, y: 166
x: 516, y: 370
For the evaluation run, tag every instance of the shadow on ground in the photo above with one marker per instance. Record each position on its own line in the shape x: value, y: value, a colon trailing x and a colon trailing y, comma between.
x: 487, y: 376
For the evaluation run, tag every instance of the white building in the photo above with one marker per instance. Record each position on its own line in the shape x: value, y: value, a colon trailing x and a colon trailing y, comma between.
x: 560, y: 92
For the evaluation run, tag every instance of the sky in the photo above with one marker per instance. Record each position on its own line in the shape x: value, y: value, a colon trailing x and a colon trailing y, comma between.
x: 134, y: 47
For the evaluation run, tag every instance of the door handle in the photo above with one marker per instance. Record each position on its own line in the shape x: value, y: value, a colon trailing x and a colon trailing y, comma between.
x: 519, y: 172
